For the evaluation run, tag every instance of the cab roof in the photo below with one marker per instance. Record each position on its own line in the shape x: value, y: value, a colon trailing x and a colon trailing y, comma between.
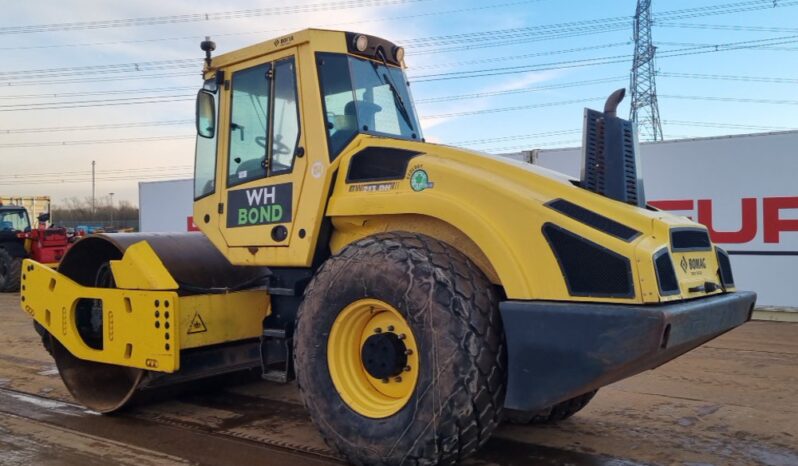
x: 320, y: 40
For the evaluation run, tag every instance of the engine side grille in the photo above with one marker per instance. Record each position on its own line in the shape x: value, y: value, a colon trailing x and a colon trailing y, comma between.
x: 690, y: 239
x: 589, y: 268
x: 724, y: 264
x: 590, y: 218
x: 379, y: 164
x: 666, y: 275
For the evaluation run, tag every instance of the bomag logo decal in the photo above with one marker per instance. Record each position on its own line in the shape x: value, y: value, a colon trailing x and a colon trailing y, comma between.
x: 283, y: 40
x: 259, y: 206
x: 693, y: 264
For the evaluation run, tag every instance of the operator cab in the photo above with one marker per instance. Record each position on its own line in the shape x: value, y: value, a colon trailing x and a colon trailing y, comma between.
x: 13, y: 219
x: 272, y: 122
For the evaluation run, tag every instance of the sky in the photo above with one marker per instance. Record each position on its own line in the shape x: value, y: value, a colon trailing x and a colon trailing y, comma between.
x: 492, y: 75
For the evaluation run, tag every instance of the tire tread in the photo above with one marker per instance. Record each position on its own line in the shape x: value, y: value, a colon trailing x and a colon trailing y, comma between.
x: 483, y: 382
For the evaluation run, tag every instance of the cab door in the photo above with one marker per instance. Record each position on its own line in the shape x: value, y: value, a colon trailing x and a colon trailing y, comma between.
x: 264, y: 169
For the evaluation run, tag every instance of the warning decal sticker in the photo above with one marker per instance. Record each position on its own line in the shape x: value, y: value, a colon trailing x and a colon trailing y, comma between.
x: 197, y: 324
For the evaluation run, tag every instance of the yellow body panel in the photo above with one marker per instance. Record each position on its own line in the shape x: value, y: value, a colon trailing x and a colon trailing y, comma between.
x: 130, y: 337
x: 141, y: 269
x: 350, y: 229
x: 490, y: 208
x: 499, y: 206
x: 210, y: 319
x: 145, y: 324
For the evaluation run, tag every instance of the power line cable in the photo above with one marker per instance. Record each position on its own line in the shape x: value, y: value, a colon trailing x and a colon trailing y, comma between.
x: 141, y: 124
x: 560, y: 143
x: 603, y: 60
x: 89, y: 180
x: 96, y: 103
x: 444, y: 76
x: 704, y: 44
x: 516, y: 137
x: 520, y: 56
x: 275, y: 31
x: 59, y: 95
x: 726, y: 77
x: 511, y: 109
x: 17, y: 145
x: 85, y: 80
x: 733, y: 99
x: 478, y: 95
x: 201, y: 17
x: 728, y: 27
x: 708, y: 124
x: 480, y: 36
x: 67, y: 174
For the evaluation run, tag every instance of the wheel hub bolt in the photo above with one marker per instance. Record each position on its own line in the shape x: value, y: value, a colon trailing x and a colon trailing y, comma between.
x: 377, y: 330
x: 402, y: 336
x: 397, y: 379
x: 390, y: 328
x: 385, y: 380
x: 408, y: 351
x: 407, y: 368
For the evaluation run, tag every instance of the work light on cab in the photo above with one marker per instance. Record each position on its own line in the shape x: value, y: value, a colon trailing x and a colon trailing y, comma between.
x: 361, y: 43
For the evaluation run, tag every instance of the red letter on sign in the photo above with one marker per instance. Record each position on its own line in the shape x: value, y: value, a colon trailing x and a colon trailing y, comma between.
x: 747, y: 230
x: 190, y: 225
x: 774, y: 224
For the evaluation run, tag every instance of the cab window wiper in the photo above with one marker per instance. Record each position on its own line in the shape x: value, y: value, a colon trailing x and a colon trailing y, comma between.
x: 397, y: 97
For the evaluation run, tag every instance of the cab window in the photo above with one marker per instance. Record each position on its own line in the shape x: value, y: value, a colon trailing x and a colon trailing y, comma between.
x: 14, y: 220
x: 249, y: 120
x: 285, y: 134
x: 364, y: 96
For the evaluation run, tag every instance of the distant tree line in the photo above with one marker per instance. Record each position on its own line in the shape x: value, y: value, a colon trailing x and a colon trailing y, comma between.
x: 72, y: 212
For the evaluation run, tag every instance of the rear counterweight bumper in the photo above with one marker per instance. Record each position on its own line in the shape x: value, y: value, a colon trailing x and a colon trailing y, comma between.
x: 557, y: 351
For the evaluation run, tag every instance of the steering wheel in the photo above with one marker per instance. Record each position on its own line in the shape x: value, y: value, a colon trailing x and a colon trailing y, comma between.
x: 278, y: 147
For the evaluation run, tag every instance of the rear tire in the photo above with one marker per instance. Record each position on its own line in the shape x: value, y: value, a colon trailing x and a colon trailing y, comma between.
x: 452, y: 311
x: 10, y: 271
x: 556, y: 413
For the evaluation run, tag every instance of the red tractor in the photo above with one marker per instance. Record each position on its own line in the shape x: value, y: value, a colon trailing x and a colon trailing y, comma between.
x: 18, y: 241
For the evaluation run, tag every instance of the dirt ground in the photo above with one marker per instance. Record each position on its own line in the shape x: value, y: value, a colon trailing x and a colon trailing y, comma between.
x: 731, y: 401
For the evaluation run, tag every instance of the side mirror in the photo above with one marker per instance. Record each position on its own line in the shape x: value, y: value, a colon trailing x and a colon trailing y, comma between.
x: 206, y: 114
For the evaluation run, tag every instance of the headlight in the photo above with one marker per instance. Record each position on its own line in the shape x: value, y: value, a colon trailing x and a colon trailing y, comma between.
x: 361, y: 43
x: 399, y: 54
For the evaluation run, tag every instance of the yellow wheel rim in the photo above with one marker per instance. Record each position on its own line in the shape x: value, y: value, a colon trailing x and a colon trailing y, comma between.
x: 367, y: 395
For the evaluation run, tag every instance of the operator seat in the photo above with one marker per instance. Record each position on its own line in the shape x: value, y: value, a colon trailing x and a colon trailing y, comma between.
x: 346, y: 125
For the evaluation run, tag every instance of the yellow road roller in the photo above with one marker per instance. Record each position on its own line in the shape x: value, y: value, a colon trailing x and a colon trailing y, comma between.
x: 420, y: 294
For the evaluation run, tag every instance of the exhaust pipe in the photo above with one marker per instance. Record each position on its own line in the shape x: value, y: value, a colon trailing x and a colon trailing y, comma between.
x: 610, y: 157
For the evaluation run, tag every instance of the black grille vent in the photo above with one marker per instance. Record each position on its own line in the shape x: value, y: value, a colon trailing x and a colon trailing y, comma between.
x: 379, y: 164
x: 589, y: 269
x: 690, y: 239
x: 666, y: 275
x: 590, y: 218
x: 724, y: 264
x: 593, y: 147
